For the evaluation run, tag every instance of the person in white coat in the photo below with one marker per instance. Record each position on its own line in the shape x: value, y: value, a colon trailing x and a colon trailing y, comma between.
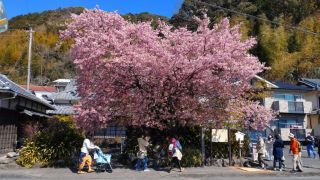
x: 261, y: 152
x: 269, y: 147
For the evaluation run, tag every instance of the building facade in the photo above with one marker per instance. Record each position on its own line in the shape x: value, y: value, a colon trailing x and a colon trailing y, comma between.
x: 17, y: 107
x: 293, y: 107
x: 313, y: 121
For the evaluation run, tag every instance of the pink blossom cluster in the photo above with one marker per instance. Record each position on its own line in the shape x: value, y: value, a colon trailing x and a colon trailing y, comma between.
x: 135, y: 75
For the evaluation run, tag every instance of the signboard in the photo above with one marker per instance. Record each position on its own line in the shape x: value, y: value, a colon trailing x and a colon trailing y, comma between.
x: 239, y: 136
x: 3, y: 18
x: 219, y: 135
x: 285, y: 134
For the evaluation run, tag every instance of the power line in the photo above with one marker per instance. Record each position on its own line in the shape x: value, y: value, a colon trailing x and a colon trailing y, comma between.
x: 261, y: 19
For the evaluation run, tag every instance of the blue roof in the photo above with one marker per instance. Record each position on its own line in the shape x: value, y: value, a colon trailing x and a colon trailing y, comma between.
x: 314, y: 83
x: 287, y: 86
x: 9, y: 85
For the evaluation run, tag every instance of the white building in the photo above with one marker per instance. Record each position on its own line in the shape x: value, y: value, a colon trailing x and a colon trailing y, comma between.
x: 292, y: 104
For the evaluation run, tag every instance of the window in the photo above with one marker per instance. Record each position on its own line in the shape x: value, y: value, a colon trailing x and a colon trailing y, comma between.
x: 112, y: 131
x: 289, y: 123
x: 297, y: 97
x: 288, y: 97
x: 279, y: 96
x: 286, y: 123
x: 300, y: 134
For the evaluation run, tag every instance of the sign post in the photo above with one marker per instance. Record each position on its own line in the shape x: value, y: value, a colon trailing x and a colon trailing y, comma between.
x: 240, y: 138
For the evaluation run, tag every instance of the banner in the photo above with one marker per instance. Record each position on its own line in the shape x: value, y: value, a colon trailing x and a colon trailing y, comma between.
x: 3, y: 18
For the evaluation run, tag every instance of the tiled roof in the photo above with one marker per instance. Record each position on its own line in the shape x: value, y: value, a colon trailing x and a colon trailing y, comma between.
x: 64, y: 96
x: 315, y: 83
x: 287, y: 86
x: 6, y: 83
x: 70, y: 93
x: 41, y: 88
x: 62, y: 110
x: 3, y: 85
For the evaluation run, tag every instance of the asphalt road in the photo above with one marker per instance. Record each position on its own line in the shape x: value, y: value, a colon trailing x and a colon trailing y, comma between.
x: 125, y: 174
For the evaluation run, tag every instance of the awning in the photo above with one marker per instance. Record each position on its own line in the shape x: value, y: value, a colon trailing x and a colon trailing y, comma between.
x: 32, y: 113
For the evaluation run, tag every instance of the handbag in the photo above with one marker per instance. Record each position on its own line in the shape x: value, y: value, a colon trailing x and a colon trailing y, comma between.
x: 140, y: 155
x: 178, y: 154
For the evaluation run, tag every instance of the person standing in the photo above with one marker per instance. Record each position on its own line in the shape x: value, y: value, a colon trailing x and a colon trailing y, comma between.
x: 174, y: 151
x: 261, y: 152
x: 294, y: 147
x: 269, y: 147
x: 85, y: 158
x: 143, y: 143
x: 310, y: 145
x: 278, y: 152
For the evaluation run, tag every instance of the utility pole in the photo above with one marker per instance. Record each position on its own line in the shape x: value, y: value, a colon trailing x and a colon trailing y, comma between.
x: 29, y: 58
x: 203, y: 152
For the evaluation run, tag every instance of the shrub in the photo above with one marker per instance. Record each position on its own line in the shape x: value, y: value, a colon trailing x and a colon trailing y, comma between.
x: 191, y: 158
x: 190, y: 138
x: 29, y: 154
x: 56, y: 142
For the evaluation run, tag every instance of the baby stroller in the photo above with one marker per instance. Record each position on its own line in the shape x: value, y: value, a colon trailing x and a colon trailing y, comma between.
x: 103, y: 161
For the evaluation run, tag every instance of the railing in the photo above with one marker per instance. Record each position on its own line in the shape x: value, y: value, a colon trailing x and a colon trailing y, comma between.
x: 295, y: 107
x: 290, y: 125
x: 288, y: 106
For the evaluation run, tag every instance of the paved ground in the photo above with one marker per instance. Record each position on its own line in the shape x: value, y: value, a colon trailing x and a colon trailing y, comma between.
x: 310, y: 165
x: 192, y: 173
x: 311, y: 171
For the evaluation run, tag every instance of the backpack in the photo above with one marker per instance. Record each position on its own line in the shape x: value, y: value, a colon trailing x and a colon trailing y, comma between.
x: 179, y: 145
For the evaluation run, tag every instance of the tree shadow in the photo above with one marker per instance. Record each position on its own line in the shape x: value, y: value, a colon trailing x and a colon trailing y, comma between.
x: 309, y: 167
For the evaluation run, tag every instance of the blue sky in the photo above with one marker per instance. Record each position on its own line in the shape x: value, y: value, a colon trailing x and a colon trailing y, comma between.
x: 160, y: 7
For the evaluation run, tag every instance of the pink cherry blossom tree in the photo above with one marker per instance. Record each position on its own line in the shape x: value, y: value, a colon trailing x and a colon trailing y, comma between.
x: 136, y: 75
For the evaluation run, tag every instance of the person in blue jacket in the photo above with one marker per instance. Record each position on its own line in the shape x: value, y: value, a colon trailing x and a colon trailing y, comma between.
x: 278, y: 152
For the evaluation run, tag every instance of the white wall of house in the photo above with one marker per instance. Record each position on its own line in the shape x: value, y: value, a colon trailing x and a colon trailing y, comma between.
x: 313, y: 97
x: 284, y: 104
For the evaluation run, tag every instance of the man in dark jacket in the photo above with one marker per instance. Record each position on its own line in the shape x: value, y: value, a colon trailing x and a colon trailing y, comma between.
x: 310, y: 146
x: 278, y: 152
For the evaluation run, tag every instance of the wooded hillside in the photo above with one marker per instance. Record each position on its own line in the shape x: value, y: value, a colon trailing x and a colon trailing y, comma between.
x: 291, y: 53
